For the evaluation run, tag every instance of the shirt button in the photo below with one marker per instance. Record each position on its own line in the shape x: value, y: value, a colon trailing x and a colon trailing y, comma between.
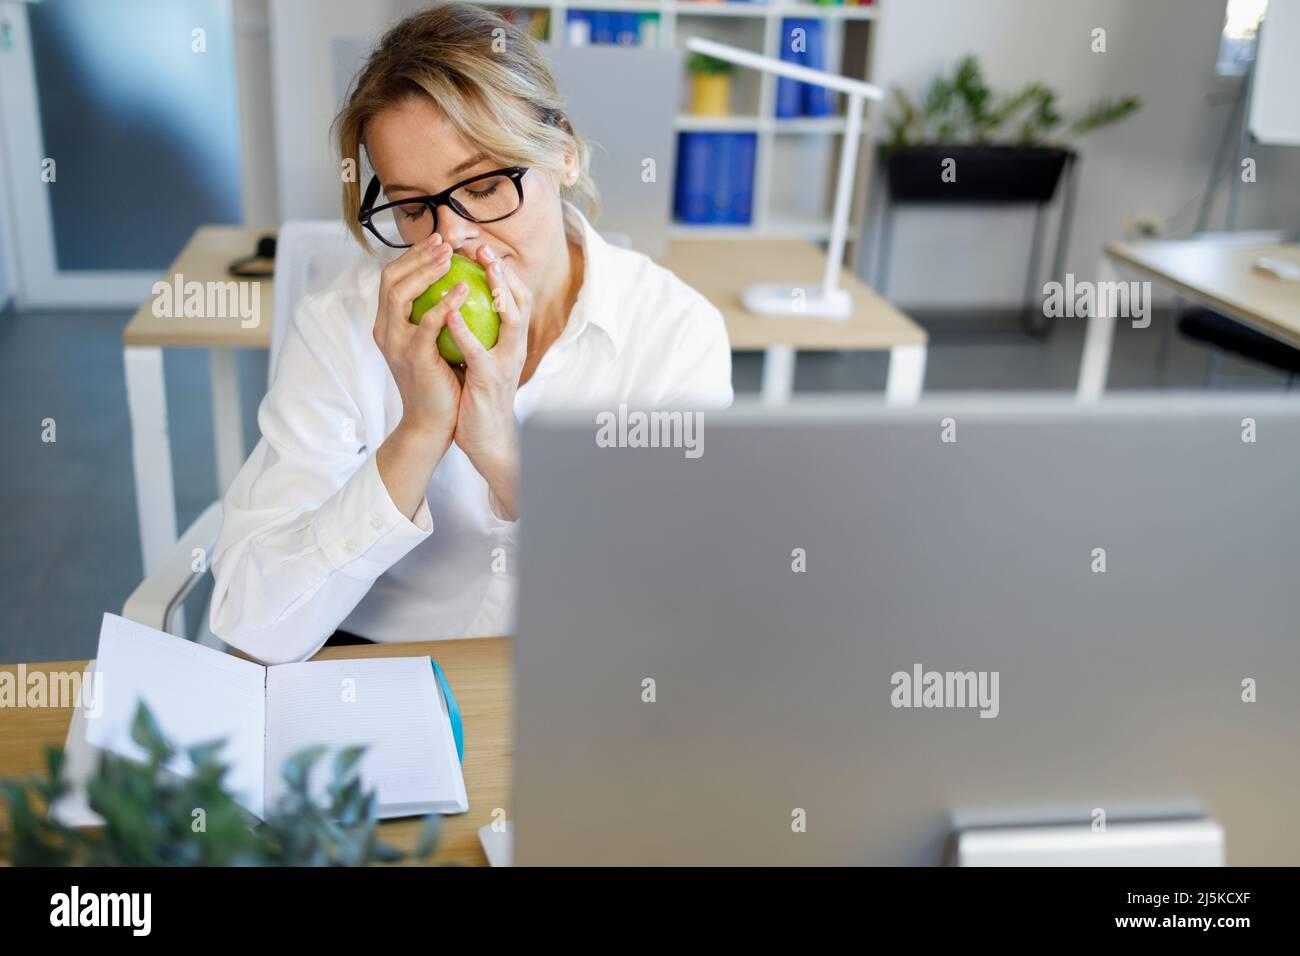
x: 349, y: 546
x: 375, y: 522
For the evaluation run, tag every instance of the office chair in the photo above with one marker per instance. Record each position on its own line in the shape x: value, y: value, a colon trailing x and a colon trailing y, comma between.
x: 1225, y: 335
x: 1222, y: 334
x: 309, y: 254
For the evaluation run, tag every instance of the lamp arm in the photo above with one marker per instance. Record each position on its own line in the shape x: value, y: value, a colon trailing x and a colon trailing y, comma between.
x: 793, y: 71
x: 843, y: 192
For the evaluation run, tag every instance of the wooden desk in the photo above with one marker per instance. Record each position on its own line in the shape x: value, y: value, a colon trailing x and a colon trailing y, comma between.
x: 480, y: 674
x: 722, y: 270
x: 718, y: 269
x: 1215, y: 273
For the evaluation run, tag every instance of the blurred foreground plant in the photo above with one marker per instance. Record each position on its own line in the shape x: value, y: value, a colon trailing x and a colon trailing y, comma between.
x: 153, y: 817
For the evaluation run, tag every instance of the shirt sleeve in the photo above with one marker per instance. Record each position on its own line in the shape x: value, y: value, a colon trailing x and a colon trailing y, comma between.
x: 700, y: 360
x: 307, y: 525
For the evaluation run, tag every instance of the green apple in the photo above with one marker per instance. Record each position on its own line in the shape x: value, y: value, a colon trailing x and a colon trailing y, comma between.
x: 481, y: 318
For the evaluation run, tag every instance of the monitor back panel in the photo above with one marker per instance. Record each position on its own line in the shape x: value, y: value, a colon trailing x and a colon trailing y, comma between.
x: 686, y: 694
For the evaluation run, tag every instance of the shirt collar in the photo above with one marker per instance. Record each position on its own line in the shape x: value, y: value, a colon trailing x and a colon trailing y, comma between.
x: 593, y: 305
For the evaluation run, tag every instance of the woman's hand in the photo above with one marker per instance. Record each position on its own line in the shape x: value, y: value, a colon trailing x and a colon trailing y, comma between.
x: 430, y: 389
x: 485, y: 423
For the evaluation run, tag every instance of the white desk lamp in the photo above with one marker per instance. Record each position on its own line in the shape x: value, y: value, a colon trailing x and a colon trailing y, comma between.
x: 829, y: 301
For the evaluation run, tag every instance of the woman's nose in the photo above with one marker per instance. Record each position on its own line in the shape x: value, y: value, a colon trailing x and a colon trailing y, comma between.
x: 455, y: 230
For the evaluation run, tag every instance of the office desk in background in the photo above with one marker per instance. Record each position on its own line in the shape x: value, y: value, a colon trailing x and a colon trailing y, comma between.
x: 721, y: 270
x: 481, y: 676
x: 204, y: 259
x: 718, y: 269
x: 1216, y: 273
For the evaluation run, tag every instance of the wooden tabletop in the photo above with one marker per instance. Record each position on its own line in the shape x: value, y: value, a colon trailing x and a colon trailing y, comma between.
x: 205, y: 259
x: 1221, y: 275
x: 479, y: 671
x: 722, y: 269
x: 718, y: 268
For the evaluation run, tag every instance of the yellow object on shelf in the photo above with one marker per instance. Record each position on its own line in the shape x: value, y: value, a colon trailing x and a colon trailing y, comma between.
x: 710, y: 94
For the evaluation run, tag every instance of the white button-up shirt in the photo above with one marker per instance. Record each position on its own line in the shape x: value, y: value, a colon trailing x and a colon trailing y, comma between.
x: 310, y: 540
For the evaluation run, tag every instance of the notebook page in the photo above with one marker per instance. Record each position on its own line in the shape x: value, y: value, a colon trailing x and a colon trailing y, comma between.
x: 390, y: 705
x: 196, y: 694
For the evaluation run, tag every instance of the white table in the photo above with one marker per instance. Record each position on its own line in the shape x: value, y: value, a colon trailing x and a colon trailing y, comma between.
x: 1215, y: 273
x: 722, y: 270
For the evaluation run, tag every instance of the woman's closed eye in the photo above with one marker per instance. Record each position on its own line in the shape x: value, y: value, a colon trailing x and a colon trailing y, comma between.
x: 483, y: 192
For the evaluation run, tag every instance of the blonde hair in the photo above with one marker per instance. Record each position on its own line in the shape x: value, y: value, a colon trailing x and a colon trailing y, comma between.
x: 489, y: 79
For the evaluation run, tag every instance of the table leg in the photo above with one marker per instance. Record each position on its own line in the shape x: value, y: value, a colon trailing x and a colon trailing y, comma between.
x: 906, y: 374
x: 227, y: 421
x: 151, y: 452
x: 1097, y: 339
x: 778, y: 375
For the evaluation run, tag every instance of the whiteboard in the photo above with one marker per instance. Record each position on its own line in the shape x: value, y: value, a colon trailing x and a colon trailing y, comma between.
x: 1275, y: 98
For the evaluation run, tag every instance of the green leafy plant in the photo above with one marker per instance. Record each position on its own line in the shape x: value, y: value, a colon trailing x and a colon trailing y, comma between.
x: 703, y: 63
x: 153, y: 817
x: 962, y: 108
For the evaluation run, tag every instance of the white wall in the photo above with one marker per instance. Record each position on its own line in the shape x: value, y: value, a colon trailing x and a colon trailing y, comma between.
x: 1158, y: 160
x: 303, y: 95
x: 261, y: 207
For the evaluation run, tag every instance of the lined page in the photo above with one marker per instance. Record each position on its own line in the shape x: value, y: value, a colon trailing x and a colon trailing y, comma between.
x: 391, y: 706
x: 196, y: 694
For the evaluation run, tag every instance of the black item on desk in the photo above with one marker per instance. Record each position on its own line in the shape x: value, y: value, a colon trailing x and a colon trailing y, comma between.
x: 1227, y: 335
x: 260, y: 265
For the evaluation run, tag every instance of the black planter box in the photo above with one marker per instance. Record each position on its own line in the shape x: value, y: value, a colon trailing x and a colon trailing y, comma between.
x: 992, y: 174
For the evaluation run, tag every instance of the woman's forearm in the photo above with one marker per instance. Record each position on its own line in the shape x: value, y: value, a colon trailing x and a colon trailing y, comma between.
x: 501, y: 472
x: 406, y: 462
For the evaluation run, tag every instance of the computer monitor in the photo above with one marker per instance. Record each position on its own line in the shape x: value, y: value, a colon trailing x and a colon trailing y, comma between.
x: 841, y: 633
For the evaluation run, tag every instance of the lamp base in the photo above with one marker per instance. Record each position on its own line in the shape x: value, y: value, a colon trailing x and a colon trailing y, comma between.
x: 797, y: 301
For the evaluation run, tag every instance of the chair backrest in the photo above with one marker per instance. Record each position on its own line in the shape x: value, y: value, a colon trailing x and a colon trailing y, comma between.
x: 309, y: 254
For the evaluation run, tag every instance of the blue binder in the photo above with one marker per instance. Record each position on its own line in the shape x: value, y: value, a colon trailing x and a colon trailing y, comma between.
x: 627, y: 30
x: 817, y: 100
x: 722, y: 178
x: 789, y: 101
x: 744, y: 150
x: 691, y: 196
x: 602, y: 26
x: 576, y: 16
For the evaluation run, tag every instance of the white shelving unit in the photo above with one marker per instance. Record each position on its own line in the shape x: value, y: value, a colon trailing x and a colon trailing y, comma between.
x: 783, y: 206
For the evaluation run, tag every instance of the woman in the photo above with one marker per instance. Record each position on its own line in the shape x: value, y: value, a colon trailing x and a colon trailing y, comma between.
x: 382, y: 499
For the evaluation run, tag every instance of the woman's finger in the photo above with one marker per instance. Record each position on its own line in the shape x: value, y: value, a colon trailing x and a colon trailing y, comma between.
x: 411, y: 259
x: 513, y: 324
x: 425, y: 337
x: 468, y: 343
x: 403, y: 295
x: 424, y: 251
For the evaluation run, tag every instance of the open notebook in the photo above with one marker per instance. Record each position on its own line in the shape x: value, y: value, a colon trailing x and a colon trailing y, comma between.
x: 392, y: 706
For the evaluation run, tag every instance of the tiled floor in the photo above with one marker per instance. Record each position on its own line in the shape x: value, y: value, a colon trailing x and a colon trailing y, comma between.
x: 70, y: 548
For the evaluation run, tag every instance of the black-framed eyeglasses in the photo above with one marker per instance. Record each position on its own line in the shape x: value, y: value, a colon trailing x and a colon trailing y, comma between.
x: 488, y: 197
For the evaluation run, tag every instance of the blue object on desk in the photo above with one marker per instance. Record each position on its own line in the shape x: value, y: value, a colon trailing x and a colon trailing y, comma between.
x: 453, y: 710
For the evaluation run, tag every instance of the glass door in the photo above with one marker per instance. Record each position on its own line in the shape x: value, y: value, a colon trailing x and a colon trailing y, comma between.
x: 119, y: 126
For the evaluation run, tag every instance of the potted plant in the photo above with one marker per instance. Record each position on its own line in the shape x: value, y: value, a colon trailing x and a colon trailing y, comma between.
x: 710, y: 85
x: 1000, y: 144
x: 151, y: 815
